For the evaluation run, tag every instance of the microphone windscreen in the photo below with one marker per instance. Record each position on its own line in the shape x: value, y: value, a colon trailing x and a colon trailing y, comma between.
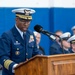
x: 38, y: 28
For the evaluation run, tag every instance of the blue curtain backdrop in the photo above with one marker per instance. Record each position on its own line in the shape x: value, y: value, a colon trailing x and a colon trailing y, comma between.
x: 50, y: 19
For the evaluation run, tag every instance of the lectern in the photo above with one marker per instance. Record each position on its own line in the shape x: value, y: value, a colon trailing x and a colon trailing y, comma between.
x: 62, y: 64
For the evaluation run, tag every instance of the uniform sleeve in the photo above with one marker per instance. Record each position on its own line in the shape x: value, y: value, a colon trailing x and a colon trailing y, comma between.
x: 36, y: 51
x: 5, y: 52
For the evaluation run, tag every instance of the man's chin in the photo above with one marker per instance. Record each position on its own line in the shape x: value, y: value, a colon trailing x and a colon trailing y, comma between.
x: 24, y: 30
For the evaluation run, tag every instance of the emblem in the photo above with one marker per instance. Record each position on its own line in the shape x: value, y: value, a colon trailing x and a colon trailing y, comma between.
x: 16, y: 43
x: 31, y: 38
x: 17, y: 53
x: 27, y: 12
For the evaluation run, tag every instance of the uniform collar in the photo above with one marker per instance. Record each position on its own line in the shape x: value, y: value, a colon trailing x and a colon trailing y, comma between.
x: 21, y: 33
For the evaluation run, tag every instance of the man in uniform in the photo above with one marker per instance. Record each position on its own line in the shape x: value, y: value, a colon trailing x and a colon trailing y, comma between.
x: 55, y: 47
x: 73, y: 30
x: 38, y: 38
x: 18, y: 44
x: 66, y: 45
x: 71, y: 40
x: 63, y: 47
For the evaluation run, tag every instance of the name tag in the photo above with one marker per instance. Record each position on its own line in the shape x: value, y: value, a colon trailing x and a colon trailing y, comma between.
x: 16, y: 43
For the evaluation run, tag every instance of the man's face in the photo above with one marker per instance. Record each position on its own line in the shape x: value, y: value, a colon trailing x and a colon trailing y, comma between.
x: 22, y: 24
x: 59, y: 34
x: 66, y: 44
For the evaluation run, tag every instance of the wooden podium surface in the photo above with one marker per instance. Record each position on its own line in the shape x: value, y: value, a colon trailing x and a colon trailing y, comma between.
x: 62, y: 64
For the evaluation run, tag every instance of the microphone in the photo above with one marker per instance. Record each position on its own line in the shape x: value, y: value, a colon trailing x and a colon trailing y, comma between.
x: 40, y: 29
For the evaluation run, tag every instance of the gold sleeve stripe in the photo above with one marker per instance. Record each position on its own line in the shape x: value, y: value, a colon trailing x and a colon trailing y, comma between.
x: 7, y: 63
x: 24, y: 16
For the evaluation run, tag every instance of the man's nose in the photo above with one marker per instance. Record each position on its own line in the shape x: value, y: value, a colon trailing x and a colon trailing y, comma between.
x: 25, y: 23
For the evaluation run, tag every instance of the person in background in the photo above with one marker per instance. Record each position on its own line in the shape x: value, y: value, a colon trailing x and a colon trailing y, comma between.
x: 71, y: 40
x: 19, y: 43
x: 59, y: 33
x: 55, y: 47
x: 65, y: 47
x: 73, y: 30
x: 38, y: 38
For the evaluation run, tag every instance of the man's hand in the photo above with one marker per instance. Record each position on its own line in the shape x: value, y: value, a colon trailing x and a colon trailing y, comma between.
x: 13, y: 71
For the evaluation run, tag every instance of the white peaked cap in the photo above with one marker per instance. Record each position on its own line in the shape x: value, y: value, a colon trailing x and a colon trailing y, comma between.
x: 21, y: 10
x: 65, y: 35
x: 73, y: 28
x: 72, y: 38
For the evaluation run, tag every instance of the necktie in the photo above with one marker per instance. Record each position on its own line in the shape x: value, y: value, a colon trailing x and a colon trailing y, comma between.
x: 24, y: 37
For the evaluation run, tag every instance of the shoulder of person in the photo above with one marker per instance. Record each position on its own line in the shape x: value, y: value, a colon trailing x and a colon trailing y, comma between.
x: 7, y: 33
x: 30, y: 32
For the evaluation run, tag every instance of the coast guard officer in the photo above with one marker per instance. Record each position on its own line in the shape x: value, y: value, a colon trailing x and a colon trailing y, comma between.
x: 18, y: 44
x: 55, y: 47
x: 71, y: 40
x: 73, y: 30
x: 66, y: 45
x: 38, y: 39
x: 58, y: 49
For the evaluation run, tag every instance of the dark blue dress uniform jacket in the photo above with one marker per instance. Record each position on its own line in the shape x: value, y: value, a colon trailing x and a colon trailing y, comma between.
x: 14, y: 51
x: 55, y: 49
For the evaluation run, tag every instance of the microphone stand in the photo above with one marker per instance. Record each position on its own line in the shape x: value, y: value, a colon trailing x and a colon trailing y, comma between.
x: 61, y: 45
